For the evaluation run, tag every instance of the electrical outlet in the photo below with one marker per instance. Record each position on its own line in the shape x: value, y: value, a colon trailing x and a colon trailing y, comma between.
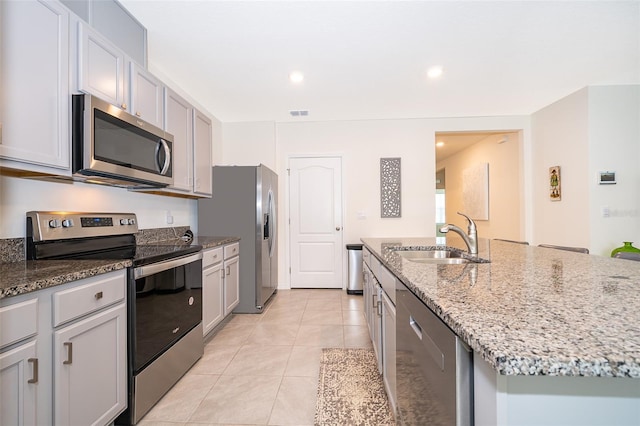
x: 169, y: 218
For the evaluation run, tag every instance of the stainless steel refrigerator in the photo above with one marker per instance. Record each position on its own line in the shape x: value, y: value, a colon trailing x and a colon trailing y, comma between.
x: 244, y: 205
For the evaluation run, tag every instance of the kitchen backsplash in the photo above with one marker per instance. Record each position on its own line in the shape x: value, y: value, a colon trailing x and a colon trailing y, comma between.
x: 13, y: 249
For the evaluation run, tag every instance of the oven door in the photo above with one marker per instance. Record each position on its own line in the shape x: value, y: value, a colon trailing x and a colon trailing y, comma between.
x: 168, y: 304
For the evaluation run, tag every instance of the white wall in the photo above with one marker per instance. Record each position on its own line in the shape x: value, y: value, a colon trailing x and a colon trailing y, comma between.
x: 614, y: 145
x: 361, y: 144
x: 560, y: 138
x: 249, y: 144
x: 18, y: 196
x: 506, y: 200
x: 594, y: 129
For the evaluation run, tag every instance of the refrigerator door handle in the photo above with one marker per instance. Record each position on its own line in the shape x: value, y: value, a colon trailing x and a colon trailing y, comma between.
x: 271, y: 223
x: 266, y: 227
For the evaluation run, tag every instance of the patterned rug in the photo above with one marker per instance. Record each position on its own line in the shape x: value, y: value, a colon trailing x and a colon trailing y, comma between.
x: 350, y: 390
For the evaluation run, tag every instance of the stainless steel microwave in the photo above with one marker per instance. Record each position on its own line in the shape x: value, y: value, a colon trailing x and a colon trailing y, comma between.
x: 113, y: 147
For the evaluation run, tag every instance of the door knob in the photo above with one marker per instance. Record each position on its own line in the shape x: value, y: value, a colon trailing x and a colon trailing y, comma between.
x: 337, y: 228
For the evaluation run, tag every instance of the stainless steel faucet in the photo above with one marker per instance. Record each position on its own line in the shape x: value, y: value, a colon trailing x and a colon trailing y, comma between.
x: 471, y: 240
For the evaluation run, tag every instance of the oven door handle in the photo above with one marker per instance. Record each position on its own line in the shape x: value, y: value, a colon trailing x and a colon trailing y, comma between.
x: 146, y: 270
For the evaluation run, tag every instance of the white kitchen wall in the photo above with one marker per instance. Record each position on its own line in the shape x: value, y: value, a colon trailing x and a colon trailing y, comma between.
x: 506, y: 200
x: 560, y: 136
x: 594, y: 129
x: 249, y: 144
x: 614, y: 145
x: 361, y: 145
x: 18, y: 196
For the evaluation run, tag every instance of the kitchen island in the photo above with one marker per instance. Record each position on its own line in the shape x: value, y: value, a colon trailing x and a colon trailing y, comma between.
x: 555, y: 334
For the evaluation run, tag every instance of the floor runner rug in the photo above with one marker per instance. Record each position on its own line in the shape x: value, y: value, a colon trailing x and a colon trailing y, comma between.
x: 350, y: 390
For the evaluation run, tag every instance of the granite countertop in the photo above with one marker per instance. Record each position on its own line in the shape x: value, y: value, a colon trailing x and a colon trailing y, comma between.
x: 24, y: 276
x: 531, y: 310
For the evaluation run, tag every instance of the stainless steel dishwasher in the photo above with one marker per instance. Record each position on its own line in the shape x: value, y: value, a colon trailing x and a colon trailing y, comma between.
x: 434, y: 368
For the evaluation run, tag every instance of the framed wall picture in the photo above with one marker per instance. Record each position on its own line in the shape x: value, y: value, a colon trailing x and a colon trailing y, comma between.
x: 555, y: 191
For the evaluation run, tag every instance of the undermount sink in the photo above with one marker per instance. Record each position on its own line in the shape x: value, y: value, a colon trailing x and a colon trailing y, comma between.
x: 433, y: 256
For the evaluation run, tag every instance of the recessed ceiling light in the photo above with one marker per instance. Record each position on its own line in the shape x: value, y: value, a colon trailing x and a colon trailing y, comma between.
x: 434, y: 72
x: 296, y: 77
x: 439, y: 144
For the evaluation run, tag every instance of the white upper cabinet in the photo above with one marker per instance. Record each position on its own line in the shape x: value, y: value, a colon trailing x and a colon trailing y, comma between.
x: 202, y: 134
x: 34, y: 86
x: 178, y: 113
x: 145, y: 95
x: 101, y: 67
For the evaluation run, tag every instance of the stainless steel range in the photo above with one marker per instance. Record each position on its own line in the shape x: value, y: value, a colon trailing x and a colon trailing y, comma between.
x: 164, y: 297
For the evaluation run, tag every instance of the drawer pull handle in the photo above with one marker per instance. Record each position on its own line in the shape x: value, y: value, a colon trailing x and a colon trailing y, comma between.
x: 34, y: 361
x: 416, y: 327
x: 98, y: 295
x: 69, y: 346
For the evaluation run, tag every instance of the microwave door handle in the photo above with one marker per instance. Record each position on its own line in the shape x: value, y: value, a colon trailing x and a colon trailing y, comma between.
x: 167, y: 156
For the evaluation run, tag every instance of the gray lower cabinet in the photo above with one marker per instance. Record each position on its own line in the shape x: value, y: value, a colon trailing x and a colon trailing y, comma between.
x: 63, y: 356
x: 212, y: 288
x: 220, y: 284
x: 380, y: 315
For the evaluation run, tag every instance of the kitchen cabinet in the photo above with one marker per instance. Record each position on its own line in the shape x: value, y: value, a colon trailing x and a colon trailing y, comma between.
x: 106, y: 72
x: 146, y: 95
x: 34, y: 86
x: 19, y: 385
x: 202, y: 171
x: 213, y: 274
x: 232, y: 277
x: 101, y: 67
x: 113, y: 21
x: 63, y: 356
x: 90, y: 369
x: 220, y: 284
x: 178, y: 121
x: 89, y: 351
x: 389, y: 348
x: 380, y: 313
x: 372, y: 293
x: 19, y: 363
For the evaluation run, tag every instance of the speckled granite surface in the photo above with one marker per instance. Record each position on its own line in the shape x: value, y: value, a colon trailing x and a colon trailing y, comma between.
x: 11, y: 250
x: 24, y: 277
x: 18, y: 276
x: 532, y: 311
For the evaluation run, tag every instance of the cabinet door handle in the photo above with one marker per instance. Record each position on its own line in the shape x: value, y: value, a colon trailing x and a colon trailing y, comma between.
x: 379, y: 308
x: 221, y: 273
x: 137, y: 114
x: 34, y: 378
x: 69, y: 346
x: 374, y: 296
x: 124, y: 106
x: 416, y: 327
x: 98, y: 295
x: 228, y: 270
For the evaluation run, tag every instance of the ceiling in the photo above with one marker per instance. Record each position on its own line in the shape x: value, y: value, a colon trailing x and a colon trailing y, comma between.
x: 369, y: 59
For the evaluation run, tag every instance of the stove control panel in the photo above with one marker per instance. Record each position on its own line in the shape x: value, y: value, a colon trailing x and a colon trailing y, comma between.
x: 48, y: 226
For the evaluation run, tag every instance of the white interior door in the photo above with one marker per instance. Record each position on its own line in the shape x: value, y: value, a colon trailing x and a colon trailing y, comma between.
x: 315, y: 209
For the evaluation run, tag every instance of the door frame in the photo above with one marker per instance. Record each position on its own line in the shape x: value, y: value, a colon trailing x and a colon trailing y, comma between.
x: 287, y: 207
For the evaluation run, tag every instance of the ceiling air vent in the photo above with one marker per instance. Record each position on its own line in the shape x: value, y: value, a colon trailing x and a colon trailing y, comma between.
x: 299, y: 112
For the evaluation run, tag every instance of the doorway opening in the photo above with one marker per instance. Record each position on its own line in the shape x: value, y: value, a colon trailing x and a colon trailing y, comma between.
x: 458, y: 156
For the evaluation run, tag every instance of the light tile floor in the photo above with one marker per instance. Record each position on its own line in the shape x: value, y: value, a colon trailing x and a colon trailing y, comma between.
x: 262, y: 369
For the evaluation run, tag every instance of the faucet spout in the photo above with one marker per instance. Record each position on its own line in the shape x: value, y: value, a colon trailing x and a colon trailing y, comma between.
x: 471, y: 240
